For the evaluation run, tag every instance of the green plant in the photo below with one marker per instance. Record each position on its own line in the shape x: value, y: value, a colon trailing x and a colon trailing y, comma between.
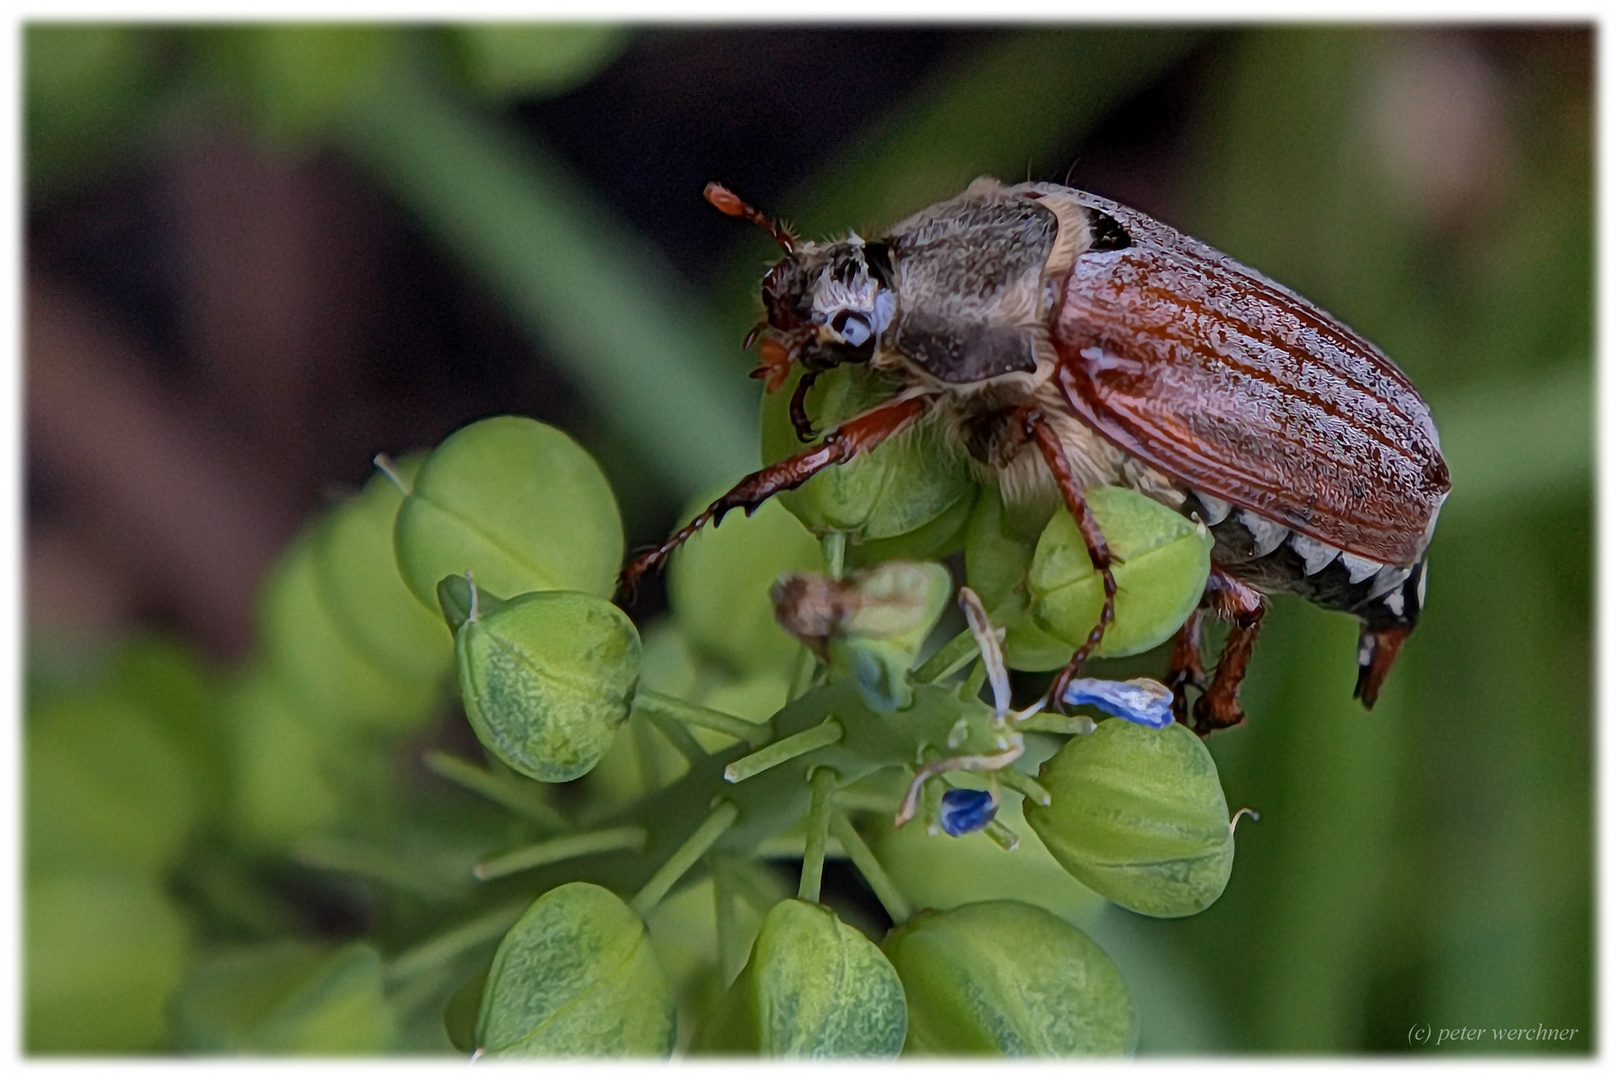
x: 841, y: 750
x: 182, y: 827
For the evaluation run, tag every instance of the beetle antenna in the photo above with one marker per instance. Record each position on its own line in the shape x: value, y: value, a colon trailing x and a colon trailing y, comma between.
x: 726, y: 201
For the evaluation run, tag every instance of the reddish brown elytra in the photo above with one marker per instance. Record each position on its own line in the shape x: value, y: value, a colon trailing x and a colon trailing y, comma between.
x: 1098, y: 346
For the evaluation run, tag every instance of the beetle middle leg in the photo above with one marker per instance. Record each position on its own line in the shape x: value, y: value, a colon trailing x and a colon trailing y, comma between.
x: 1035, y: 426
x: 1244, y: 607
x: 854, y: 436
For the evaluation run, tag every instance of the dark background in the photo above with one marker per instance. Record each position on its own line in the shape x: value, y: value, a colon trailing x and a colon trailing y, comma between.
x: 237, y: 293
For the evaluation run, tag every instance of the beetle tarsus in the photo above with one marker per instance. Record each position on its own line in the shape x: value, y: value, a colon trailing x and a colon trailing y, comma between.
x: 801, y: 421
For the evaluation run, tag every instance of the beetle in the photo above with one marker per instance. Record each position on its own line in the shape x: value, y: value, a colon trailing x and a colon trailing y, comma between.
x: 1065, y: 342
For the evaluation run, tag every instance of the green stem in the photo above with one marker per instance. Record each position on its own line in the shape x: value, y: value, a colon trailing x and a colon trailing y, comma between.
x: 1058, y: 724
x: 806, y: 667
x: 342, y: 856
x: 646, y: 752
x: 974, y: 681
x: 1025, y: 785
x: 676, y: 733
x: 439, y: 950
x: 578, y: 278
x: 833, y: 545
x: 733, y: 955
x: 515, y: 795
x: 951, y: 657
x: 650, y: 701
x: 888, y: 896
x: 784, y: 750
x: 1003, y: 836
x: 822, y: 783
x: 628, y: 837
x: 684, y: 858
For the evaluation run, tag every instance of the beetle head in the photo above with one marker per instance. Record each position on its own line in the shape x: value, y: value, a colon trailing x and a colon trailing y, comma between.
x: 826, y: 304
x: 832, y: 301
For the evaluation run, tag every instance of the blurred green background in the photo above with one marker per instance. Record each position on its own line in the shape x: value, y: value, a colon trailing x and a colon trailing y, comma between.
x: 256, y: 255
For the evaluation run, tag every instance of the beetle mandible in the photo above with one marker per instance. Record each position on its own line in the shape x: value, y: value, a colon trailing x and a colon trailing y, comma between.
x: 1067, y: 342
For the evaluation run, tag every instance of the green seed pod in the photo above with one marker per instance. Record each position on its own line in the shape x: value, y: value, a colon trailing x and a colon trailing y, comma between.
x: 999, y: 546
x: 1138, y: 815
x: 1164, y: 567
x: 103, y: 949
x: 719, y: 586
x: 912, y: 486
x: 280, y: 788
x: 318, y: 663
x: 938, y: 871
x: 547, y: 679
x: 105, y: 787
x: 576, y: 976
x: 814, y: 988
x: 516, y: 502
x: 1004, y: 977
x: 364, y: 592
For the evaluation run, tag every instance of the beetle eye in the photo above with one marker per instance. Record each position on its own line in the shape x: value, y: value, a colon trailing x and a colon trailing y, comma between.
x: 852, y: 327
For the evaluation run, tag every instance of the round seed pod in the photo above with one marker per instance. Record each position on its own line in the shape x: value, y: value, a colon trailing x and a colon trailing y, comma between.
x: 1161, y: 576
x: 319, y: 664
x: 1137, y: 814
x: 106, y: 787
x: 937, y: 871
x: 104, y: 949
x: 280, y: 768
x: 516, y: 502
x: 719, y: 586
x: 546, y: 680
x: 576, y: 977
x: 814, y: 988
x: 913, y: 486
x: 1004, y: 977
x: 1000, y: 543
x: 364, y: 593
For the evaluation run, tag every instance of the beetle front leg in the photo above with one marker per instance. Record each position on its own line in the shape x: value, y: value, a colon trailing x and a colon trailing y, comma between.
x: 854, y: 436
x: 1035, y: 426
x: 1243, y: 607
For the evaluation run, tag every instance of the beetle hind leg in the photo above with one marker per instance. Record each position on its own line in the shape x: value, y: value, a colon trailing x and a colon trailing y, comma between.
x: 1243, y: 607
x: 1186, y: 663
x: 1378, y: 651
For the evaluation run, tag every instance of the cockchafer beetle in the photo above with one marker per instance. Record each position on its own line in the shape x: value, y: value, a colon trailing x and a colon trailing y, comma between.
x: 1067, y: 342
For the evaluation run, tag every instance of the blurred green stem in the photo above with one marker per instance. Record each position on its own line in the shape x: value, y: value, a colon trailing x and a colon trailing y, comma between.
x: 600, y: 300
x: 822, y: 784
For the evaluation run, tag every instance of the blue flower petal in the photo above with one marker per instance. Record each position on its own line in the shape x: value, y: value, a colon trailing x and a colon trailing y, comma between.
x: 1141, y: 701
x: 964, y: 810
